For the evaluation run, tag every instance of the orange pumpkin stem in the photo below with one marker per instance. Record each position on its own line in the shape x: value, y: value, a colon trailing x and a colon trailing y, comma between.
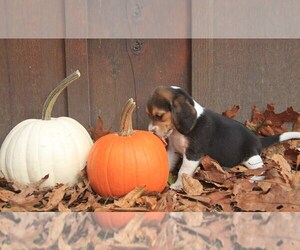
x: 126, y: 119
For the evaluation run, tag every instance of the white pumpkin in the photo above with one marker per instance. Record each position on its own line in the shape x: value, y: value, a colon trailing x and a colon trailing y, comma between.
x: 55, y: 146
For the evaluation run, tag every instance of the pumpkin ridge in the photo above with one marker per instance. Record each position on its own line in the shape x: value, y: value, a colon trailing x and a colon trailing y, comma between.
x: 74, y: 152
x: 160, y: 156
x: 28, y: 165
x: 93, y: 158
x: 74, y: 141
x: 107, y: 168
x: 53, y: 154
x: 7, y: 154
x: 146, y: 141
x: 135, y: 161
x: 157, y: 152
x: 38, y: 156
x: 15, y: 153
x: 19, y: 137
x: 131, y: 140
x: 148, y: 163
x: 123, y: 160
x: 62, y: 146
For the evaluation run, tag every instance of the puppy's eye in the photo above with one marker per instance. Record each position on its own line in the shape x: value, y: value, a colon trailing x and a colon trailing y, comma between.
x: 158, y: 117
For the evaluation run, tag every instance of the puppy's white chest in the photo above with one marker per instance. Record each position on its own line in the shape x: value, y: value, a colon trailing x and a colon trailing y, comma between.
x: 178, y: 142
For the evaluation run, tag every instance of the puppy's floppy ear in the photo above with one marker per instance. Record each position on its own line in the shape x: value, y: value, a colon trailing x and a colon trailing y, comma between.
x: 184, y: 114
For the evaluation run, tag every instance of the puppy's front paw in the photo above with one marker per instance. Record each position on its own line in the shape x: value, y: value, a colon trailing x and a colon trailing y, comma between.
x: 177, y: 185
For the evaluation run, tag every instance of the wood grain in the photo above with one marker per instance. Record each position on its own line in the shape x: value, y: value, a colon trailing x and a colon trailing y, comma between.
x: 30, y: 69
x: 246, y: 73
x: 76, y: 51
x: 121, y: 69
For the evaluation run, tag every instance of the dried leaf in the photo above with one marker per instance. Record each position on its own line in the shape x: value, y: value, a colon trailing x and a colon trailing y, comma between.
x: 63, y: 245
x: 150, y: 202
x: 61, y: 208
x: 213, y: 172
x: 147, y: 235
x: 190, y: 206
x: 232, y: 112
x: 191, y: 186
x: 279, y: 198
x: 285, y: 168
x: 264, y: 185
x: 55, y: 197
x: 238, y: 169
x: 295, y: 183
x: 128, y: 233
x: 242, y: 186
x: 56, y: 226
x: 130, y: 199
x: 296, y: 125
x: 166, y: 202
x: 193, y: 221
x: 197, y: 198
x: 269, y: 123
x: 221, y: 198
x: 98, y: 132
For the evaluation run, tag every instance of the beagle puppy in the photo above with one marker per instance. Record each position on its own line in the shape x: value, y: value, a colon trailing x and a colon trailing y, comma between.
x: 193, y: 132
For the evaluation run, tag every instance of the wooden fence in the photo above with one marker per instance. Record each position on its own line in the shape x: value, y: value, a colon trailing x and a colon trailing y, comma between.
x: 218, y: 73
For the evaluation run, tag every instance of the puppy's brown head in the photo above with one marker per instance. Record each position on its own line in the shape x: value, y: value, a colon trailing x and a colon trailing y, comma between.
x: 169, y: 108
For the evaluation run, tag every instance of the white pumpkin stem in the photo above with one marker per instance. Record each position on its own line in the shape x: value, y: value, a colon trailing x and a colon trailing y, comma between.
x: 126, y: 118
x: 51, y: 99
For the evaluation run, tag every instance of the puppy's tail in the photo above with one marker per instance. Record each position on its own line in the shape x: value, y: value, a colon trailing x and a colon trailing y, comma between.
x: 268, y: 141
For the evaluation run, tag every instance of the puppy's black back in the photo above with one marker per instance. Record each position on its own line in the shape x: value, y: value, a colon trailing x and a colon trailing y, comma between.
x: 225, y: 140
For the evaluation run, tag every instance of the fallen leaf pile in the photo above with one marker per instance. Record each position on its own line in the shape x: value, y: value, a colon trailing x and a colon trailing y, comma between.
x: 212, y: 188
x: 173, y: 231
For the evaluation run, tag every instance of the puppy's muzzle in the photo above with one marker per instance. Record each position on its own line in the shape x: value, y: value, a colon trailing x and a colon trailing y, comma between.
x: 153, y: 128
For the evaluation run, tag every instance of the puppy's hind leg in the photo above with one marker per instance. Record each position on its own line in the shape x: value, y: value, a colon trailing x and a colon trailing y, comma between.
x: 187, y: 167
x: 254, y: 162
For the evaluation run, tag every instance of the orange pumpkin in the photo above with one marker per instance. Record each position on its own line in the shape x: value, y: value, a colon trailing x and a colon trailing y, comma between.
x: 120, y: 162
x: 116, y: 220
x: 112, y: 220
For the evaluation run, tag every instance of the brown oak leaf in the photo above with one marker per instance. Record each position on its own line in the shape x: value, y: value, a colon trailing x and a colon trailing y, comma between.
x: 212, y: 172
x: 231, y: 112
x: 130, y: 199
x: 271, y: 123
x: 279, y: 198
x: 98, y: 132
x: 191, y: 186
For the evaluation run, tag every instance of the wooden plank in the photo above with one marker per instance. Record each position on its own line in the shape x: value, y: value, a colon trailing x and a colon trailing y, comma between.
x: 34, y: 19
x: 247, y: 72
x: 76, y: 18
x: 136, y: 18
x: 78, y: 94
x: 3, y: 20
x: 30, y: 69
x: 5, y: 93
x: 77, y: 58
x: 111, y: 80
x: 202, y: 68
x: 158, y: 62
x: 121, y: 69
